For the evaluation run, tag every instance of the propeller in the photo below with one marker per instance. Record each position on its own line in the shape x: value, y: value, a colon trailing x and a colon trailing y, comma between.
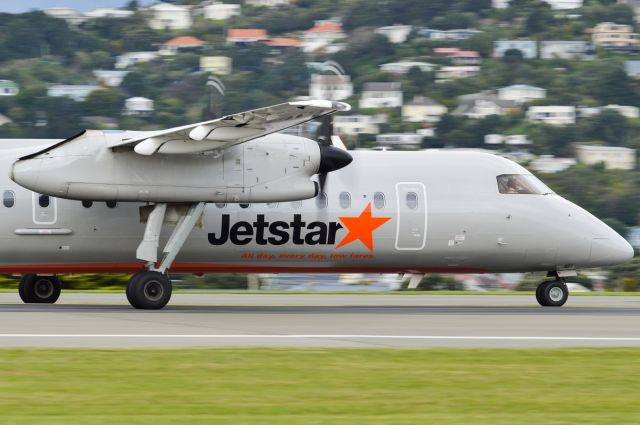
x: 333, y: 153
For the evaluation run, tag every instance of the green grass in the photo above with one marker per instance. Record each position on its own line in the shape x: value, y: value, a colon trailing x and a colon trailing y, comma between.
x: 320, y: 386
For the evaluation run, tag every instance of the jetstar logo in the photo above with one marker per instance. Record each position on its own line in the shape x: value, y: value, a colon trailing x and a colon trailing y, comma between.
x: 298, y: 232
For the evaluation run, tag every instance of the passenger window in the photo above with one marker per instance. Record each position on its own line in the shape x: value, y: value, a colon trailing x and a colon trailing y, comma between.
x: 220, y: 205
x: 111, y: 204
x: 345, y: 200
x: 44, y: 201
x: 412, y: 200
x: 321, y: 200
x: 244, y: 206
x: 9, y: 198
x: 296, y: 204
x: 87, y: 204
x: 523, y: 184
x: 378, y: 200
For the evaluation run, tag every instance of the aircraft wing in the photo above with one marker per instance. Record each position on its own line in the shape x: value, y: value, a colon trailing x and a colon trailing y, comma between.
x: 231, y: 129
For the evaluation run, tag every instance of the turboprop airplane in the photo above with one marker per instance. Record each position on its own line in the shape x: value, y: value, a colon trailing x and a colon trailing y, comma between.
x: 234, y: 195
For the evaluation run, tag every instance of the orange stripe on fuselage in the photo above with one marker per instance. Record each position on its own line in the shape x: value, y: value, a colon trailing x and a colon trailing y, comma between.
x: 133, y: 267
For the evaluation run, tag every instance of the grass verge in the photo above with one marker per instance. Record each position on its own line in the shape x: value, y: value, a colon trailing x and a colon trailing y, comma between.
x: 320, y: 386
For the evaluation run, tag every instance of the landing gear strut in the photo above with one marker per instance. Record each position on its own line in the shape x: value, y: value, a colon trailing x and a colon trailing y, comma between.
x: 39, y: 289
x: 151, y: 289
x: 552, y: 293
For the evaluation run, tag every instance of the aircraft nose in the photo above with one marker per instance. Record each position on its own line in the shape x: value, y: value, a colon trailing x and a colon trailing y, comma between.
x: 609, y: 250
x: 25, y: 172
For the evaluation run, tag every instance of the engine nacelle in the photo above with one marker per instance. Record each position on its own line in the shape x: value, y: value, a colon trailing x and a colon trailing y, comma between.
x: 273, y: 168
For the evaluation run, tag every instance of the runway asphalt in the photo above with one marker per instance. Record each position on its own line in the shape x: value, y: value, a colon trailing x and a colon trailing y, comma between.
x: 96, y: 320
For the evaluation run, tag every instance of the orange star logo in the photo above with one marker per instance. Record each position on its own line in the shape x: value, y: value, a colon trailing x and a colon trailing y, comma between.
x: 361, y: 228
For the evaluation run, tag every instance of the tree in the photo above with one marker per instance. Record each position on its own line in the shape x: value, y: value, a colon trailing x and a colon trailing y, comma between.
x: 104, y: 102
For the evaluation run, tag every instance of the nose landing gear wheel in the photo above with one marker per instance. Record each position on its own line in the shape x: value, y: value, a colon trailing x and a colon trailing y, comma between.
x: 149, y: 290
x: 553, y: 293
x: 39, y: 289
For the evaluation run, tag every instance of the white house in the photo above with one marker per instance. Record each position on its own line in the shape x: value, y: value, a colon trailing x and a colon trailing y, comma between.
x: 565, y: 49
x: 138, y: 106
x: 553, y: 115
x: 453, y: 35
x: 381, y: 95
x: 483, y: 104
x: 218, y: 65
x: 322, y: 35
x: 8, y: 88
x: 330, y: 87
x: 403, y: 67
x: 447, y: 73
x: 220, y: 11
x: 500, y: 4
x: 126, y: 60
x: 528, y: 48
x: 551, y: 164
x: 268, y: 3
x: 564, y: 4
x: 352, y: 125
x: 71, y: 16
x: 109, y: 12
x: 168, y: 16
x: 399, y: 139
x: 613, y: 157
x: 109, y: 77
x: 627, y: 111
x: 521, y: 93
x: 76, y: 92
x: 395, y: 33
x: 610, y: 35
x: 423, y: 109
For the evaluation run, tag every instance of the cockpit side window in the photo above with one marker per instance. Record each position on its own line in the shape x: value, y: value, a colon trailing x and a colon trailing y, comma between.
x: 522, y: 184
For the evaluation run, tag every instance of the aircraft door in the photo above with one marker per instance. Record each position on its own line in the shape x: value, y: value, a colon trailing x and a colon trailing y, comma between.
x: 411, y: 201
x: 44, y: 209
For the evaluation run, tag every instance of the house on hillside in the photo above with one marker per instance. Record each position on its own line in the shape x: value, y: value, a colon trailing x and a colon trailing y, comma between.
x: 403, y: 67
x: 183, y: 42
x: 126, y: 60
x: 551, y: 164
x: 612, y: 36
x: 406, y: 140
x: 552, y: 115
x: 330, y: 87
x: 566, y: 49
x: 521, y: 93
x: 613, y: 157
x: 168, y: 16
x: 77, y: 92
x: 527, y: 48
x: 281, y: 45
x: 447, y: 73
x: 218, y: 65
x: 381, y: 95
x: 220, y: 11
x: 110, y: 13
x: 268, y: 3
x: 352, y: 125
x: 138, y: 106
x: 564, y: 4
x: 71, y: 16
x: 322, y: 35
x: 451, y: 35
x: 483, y: 104
x: 500, y: 4
x: 8, y: 88
x: 626, y: 111
x: 423, y: 109
x: 109, y: 77
x: 244, y: 37
x: 396, y: 34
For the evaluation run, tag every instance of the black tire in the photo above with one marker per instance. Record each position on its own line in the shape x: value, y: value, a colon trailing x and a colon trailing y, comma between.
x: 149, y: 290
x: 555, y: 294
x: 39, y: 289
x: 539, y: 290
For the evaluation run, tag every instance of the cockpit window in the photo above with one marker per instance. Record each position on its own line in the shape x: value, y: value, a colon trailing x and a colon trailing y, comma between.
x: 523, y: 184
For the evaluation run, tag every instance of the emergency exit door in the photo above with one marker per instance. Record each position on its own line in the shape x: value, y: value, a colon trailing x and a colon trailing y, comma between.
x: 44, y: 209
x: 412, y: 216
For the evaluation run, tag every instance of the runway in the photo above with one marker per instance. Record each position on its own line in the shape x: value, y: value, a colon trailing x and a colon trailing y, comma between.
x: 96, y: 320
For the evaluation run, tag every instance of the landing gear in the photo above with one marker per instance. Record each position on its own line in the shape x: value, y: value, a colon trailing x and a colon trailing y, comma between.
x: 149, y: 290
x: 552, y: 293
x: 39, y: 289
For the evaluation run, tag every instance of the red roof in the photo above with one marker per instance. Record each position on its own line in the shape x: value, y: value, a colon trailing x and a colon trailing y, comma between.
x: 446, y: 50
x: 466, y: 54
x: 329, y: 27
x: 284, y: 42
x: 256, y: 33
x: 185, y: 40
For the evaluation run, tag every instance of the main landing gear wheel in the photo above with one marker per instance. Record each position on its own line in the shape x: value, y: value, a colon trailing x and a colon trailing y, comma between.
x: 149, y: 290
x: 39, y: 289
x: 553, y: 293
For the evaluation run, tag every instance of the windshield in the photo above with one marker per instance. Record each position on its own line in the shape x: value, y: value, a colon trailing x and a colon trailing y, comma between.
x: 523, y: 184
